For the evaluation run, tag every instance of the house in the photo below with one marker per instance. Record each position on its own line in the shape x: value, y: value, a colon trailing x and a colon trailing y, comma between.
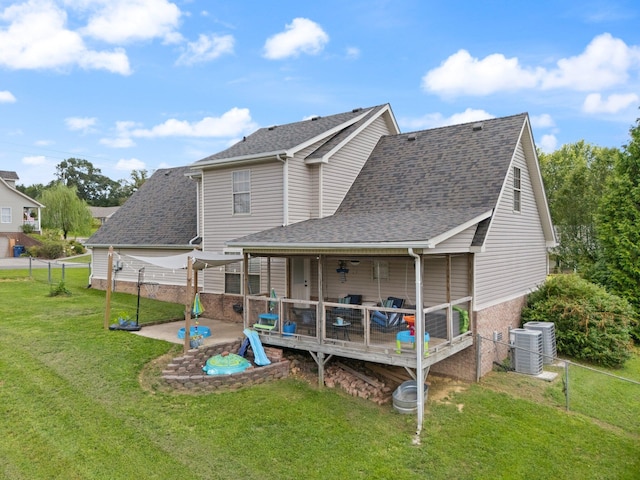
x: 102, y: 214
x: 17, y: 212
x: 452, y: 221
x: 159, y: 219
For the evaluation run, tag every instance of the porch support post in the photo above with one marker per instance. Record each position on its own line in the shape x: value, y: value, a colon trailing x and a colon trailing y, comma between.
x: 320, y: 323
x: 188, y: 303
x: 245, y: 289
x: 448, y: 294
x: 419, y: 340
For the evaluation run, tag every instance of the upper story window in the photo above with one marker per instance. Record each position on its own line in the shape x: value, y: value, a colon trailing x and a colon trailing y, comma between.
x: 5, y: 215
x: 517, y: 191
x: 241, y: 191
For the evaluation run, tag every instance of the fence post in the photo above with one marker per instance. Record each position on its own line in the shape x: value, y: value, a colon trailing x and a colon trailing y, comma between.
x: 63, y: 272
x: 566, y: 384
x: 30, y: 267
x: 49, y: 272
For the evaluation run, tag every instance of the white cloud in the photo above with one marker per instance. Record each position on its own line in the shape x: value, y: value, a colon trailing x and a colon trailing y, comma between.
x: 605, y: 62
x: 434, y: 120
x: 548, y: 143
x: 594, y: 103
x: 131, y: 164
x: 461, y: 74
x: 231, y: 123
x: 34, y: 160
x: 206, y: 48
x: 542, y: 121
x: 124, y: 21
x: 7, y: 97
x: 37, y: 38
x: 85, y: 124
x: 44, y: 143
x: 300, y: 36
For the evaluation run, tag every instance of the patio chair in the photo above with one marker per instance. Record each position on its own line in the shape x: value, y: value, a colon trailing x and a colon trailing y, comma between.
x: 389, y: 321
x: 348, y: 314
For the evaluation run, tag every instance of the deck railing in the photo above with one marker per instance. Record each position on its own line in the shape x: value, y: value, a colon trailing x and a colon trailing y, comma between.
x: 350, y: 326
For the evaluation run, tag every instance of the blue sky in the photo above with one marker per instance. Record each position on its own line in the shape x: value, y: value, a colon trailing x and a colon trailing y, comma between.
x: 147, y: 84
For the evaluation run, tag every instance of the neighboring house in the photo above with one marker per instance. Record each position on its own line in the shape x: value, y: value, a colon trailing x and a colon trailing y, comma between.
x: 159, y: 219
x: 450, y: 218
x: 16, y: 211
x: 102, y: 214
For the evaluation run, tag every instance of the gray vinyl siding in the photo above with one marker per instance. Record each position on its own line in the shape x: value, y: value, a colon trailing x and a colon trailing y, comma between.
x: 303, y: 186
x: 16, y: 202
x: 458, y: 243
x: 221, y: 225
x: 514, y: 261
x: 401, y: 281
x: 344, y: 165
x: 131, y: 266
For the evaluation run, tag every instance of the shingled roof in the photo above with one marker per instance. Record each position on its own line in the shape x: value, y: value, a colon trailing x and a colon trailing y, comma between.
x: 282, y: 138
x: 414, y: 187
x: 162, y: 212
x: 8, y: 175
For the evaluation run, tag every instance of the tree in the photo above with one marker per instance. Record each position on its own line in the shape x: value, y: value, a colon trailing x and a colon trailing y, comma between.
x: 32, y: 191
x: 619, y: 223
x: 64, y: 210
x: 129, y: 187
x: 93, y: 187
x: 574, y: 177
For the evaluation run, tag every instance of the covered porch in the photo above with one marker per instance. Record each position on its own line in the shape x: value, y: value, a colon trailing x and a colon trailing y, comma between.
x: 317, y: 312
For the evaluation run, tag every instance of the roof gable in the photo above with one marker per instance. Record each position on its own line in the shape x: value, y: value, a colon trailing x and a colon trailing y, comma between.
x: 162, y: 212
x: 288, y: 138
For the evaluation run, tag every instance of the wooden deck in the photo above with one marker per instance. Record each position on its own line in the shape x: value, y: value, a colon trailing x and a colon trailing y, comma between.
x: 357, y: 339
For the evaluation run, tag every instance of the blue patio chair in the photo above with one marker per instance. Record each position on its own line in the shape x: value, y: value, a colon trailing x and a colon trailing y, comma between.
x: 389, y: 321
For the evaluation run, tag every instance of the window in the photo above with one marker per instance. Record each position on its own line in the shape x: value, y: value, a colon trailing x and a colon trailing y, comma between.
x: 380, y: 270
x: 233, y: 277
x: 5, y: 215
x: 241, y: 192
x: 517, y: 192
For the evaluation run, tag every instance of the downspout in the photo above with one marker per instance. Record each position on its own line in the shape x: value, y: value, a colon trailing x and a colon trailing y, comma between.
x: 200, y: 198
x: 285, y: 190
x: 419, y: 334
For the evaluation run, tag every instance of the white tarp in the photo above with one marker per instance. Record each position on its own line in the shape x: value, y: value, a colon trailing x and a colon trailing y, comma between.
x: 200, y: 260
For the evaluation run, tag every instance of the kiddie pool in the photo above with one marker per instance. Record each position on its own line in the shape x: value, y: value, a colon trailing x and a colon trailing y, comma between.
x: 226, y: 364
x: 202, y: 330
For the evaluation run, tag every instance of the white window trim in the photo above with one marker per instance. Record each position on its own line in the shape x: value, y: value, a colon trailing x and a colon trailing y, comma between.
x: 240, y: 192
x: 517, y: 190
x: 2, y: 214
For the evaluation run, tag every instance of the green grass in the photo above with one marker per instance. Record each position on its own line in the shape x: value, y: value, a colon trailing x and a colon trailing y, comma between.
x: 73, y: 406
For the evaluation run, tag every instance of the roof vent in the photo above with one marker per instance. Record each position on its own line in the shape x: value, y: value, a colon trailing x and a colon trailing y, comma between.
x: 477, y: 126
x: 272, y: 127
x: 313, y: 119
x: 412, y: 137
x: 356, y: 110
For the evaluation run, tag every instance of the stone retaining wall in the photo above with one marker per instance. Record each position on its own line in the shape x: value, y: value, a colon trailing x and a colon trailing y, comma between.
x: 185, y: 373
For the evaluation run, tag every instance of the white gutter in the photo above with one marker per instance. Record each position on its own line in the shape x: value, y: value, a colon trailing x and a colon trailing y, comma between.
x: 419, y: 342
x: 285, y: 190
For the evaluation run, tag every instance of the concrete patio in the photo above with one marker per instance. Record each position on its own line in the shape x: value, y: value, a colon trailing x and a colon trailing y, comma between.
x: 221, y: 332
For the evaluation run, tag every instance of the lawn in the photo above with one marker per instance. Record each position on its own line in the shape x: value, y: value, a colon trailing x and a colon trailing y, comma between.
x: 73, y: 407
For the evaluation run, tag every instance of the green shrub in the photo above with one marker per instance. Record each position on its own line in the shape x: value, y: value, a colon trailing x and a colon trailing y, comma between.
x: 75, y: 248
x: 51, y: 249
x: 28, y: 228
x: 590, y: 323
x: 59, y: 289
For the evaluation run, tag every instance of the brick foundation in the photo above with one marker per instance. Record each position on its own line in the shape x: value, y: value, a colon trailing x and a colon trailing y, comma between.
x: 497, y: 318
x: 185, y: 373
